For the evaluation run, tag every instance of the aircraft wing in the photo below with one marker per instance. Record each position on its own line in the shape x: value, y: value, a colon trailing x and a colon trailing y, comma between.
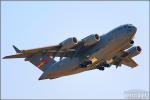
x: 52, y: 53
x: 67, y: 53
x: 129, y: 62
x: 56, y: 47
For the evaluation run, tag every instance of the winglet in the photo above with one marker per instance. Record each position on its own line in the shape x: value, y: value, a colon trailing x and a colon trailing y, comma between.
x: 16, y: 49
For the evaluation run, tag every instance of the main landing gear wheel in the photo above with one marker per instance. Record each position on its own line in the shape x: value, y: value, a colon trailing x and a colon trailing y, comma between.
x: 101, y: 68
x: 85, y: 64
x: 107, y: 65
x: 82, y: 65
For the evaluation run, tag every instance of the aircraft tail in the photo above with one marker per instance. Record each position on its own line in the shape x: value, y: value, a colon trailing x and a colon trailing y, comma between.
x: 16, y: 49
x: 19, y: 54
x: 38, y: 59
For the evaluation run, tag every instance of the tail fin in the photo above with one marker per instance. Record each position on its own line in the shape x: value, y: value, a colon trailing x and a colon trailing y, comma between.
x: 41, y: 61
x: 16, y: 49
x: 18, y: 55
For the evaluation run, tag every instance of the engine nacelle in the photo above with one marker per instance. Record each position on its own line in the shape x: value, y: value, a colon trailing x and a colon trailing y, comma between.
x: 134, y: 51
x: 68, y: 43
x: 91, y: 39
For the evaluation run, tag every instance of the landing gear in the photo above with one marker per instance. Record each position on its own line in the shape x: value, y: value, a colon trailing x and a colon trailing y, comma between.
x: 117, y: 63
x: 85, y: 64
x: 103, y: 65
x: 101, y: 68
x: 106, y: 65
x: 82, y: 65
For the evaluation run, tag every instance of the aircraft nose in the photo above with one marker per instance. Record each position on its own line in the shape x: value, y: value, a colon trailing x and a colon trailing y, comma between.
x: 131, y: 29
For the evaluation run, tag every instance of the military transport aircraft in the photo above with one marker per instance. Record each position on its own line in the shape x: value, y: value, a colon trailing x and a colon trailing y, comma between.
x: 92, y: 52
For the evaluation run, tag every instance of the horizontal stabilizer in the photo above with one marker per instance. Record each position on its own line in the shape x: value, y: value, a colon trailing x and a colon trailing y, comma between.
x: 15, y: 56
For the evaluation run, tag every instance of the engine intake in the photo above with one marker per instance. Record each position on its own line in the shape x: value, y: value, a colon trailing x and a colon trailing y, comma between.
x: 131, y: 42
x: 139, y: 48
x: 91, y: 40
x: 69, y: 43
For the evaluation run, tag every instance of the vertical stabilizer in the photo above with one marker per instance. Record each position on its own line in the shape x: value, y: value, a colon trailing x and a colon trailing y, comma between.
x: 16, y: 49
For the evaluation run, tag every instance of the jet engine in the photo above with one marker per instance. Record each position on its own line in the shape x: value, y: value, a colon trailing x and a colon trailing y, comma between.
x: 134, y: 51
x: 91, y: 39
x: 68, y: 43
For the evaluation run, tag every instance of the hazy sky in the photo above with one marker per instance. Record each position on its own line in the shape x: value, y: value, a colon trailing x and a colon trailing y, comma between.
x: 35, y: 24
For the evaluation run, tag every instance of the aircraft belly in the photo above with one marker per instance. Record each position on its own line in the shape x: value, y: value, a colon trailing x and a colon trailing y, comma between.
x: 62, y: 68
x: 70, y: 68
x: 72, y: 71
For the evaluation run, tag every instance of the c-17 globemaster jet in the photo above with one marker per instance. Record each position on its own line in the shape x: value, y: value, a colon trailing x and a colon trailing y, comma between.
x: 92, y: 52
